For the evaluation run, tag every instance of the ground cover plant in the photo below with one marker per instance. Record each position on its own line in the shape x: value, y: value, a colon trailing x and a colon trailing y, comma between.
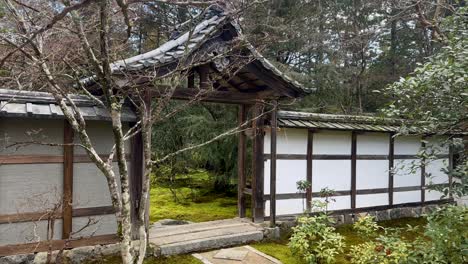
x: 190, y: 196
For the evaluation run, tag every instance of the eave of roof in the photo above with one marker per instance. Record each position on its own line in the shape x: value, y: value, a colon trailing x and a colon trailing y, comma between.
x: 32, y: 104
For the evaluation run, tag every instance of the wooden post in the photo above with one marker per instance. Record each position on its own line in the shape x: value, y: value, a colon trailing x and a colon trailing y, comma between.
x: 423, y: 173
x: 391, y: 161
x: 274, y: 125
x: 450, y: 168
x: 258, y: 206
x: 241, y: 157
x: 310, y: 152
x: 353, y: 169
x: 67, y: 206
x: 203, y: 72
x: 136, y: 178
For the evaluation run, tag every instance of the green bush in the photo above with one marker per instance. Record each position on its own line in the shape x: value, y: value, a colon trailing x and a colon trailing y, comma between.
x: 316, y: 240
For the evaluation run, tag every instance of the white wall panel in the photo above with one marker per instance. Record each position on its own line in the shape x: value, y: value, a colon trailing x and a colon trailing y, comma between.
x: 29, y: 187
x: 372, y: 144
x: 288, y: 140
x: 332, y: 142
x: 334, y: 174
x: 286, y: 207
x: 288, y: 172
x: 432, y: 195
x: 371, y: 174
x: 406, y: 174
x: 406, y: 197
x: 27, y: 130
x: 434, y: 170
x: 368, y: 200
x: 101, y: 136
x: 338, y: 202
x: 28, y: 232
x: 105, y: 224
x: 407, y: 145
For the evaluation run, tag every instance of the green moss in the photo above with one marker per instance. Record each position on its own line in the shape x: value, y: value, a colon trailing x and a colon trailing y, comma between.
x: 196, y: 199
x: 280, y: 251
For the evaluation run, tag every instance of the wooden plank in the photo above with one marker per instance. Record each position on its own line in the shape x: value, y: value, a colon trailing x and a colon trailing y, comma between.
x: 450, y: 168
x: 42, y: 246
x: 258, y: 210
x: 210, y: 95
x: 241, y: 158
x: 391, y: 163
x: 310, y: 151
x: 353, y: 169
x: 67, y: 202
x: 274, y: 125
x: 38, y: 216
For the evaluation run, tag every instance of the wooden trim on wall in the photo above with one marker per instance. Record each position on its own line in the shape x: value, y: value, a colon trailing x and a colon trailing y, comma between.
x: 423, y: 173
x: 8, y: 250
x: 391, y: 163
x: 67, y: 202
x: 353, y: 168
x: 45, y: 159
x: 38, y: 216
x: 310, y: 152
x: 286, y: 196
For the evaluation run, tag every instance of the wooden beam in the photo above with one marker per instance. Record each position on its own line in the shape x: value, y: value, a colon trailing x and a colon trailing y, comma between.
x: 42, y: 246
x: 450, y: 168
x: 241, y: 158
x: 44, y: 159
x: 423, y: 173
x: 310, y: 146
x: 67, y: 202
x: 274, y: 125
x: 209, y: 95
x: 37, y: 216
x: 391, y: 161
x: 353, y: 169
x: 269, y: 80
x: 258, y: 206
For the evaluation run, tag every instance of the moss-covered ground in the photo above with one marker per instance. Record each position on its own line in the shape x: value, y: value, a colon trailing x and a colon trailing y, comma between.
x: 191, y: 197
x: 183, y: 259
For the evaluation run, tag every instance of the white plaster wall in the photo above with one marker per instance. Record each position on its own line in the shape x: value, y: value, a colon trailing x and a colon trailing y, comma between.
x: 337, y: 202
x: 29, y: 187
x: 406, y: 197
x: 288, y: 140
x: 332, y: 142
x: 407, y: 145
x: 334, y: 174
x: 434, y: 169
x: 17, y: 130
x: 372, y: 144
x: 371, y: 174
x: 104, y: 225
x: 288, y: 172
x: 368, y: 200
x: 432, y: 195
x: 27, y: 232
x: 406, y: 174
x: 101, y: 136
x: 286, y: 207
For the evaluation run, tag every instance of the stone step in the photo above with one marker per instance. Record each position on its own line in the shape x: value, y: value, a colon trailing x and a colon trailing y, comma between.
x: 213, y: 242
x: 188, y: 236
x: 201, y: 225
x: 162, y: 232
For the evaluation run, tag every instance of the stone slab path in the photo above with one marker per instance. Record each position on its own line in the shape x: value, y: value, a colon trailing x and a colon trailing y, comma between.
x: 236, y: 255
x: 195, y: 237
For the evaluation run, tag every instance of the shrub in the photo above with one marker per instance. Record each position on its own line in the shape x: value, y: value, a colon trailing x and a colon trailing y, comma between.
x: 316, y: 240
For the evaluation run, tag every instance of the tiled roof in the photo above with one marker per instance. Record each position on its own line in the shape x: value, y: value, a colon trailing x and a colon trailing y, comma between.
x: 190, y: 41
x: 15, y: 103
x: 337, y: 122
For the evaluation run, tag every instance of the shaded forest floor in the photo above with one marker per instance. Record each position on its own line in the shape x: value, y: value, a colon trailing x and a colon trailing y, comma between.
x: 190, y: 197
